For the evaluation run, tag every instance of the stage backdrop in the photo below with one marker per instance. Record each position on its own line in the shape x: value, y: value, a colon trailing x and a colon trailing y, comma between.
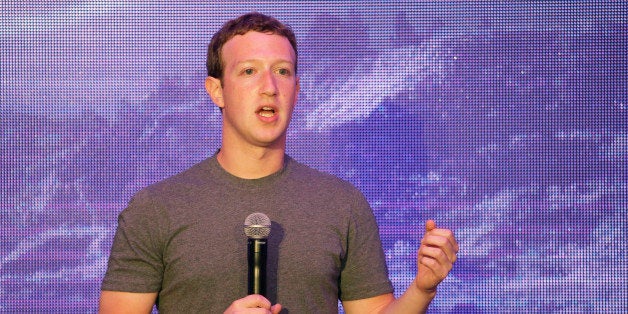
x: 504, y: 122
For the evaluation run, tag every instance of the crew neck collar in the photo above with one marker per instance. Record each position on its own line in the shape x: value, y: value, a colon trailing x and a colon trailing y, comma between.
x: 218, y: 170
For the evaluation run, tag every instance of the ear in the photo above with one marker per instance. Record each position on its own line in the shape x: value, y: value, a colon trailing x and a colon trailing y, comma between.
x: 298, y: 89
x: 214, y: 89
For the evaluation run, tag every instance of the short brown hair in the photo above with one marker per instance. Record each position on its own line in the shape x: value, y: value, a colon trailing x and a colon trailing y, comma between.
x: 253, y: 21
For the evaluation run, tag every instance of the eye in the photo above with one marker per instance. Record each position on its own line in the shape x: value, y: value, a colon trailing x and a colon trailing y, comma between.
x: 284, y: 71
x: 248, y: 71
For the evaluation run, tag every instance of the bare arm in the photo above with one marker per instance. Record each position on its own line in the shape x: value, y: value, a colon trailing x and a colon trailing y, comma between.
x: 126, y: 302
x: 435, y: 258
x: 412, y: 301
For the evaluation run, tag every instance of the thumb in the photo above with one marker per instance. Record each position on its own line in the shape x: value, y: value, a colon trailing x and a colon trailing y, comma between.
x: 430, y: 225
x: 275, y: 309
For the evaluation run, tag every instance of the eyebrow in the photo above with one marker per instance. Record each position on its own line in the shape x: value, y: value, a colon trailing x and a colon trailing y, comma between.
x: 258, y: 60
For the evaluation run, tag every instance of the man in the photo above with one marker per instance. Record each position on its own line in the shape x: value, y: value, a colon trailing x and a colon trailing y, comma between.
x: 180, y: 242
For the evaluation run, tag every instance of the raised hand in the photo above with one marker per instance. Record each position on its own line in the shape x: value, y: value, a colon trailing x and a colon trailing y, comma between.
x: 435, y: 257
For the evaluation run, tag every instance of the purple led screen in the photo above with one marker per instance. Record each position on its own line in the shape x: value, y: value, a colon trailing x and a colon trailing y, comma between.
x: 505, y: 122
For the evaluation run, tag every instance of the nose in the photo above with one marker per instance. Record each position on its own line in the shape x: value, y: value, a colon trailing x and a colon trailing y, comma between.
x: 268, y: 84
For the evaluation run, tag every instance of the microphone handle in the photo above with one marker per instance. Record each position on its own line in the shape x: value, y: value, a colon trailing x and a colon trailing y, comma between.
x: 256, y: 253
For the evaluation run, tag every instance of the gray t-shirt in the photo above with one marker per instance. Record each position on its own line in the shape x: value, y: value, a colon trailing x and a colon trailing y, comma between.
x: 183, y: 237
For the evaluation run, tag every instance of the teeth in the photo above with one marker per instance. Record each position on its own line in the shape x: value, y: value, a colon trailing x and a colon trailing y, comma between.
x: 265, y: 113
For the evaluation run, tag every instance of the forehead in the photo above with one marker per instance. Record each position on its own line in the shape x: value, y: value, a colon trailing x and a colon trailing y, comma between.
x: 257, y: 46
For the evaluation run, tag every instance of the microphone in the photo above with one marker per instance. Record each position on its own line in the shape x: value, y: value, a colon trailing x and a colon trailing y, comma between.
x: 257, y: 229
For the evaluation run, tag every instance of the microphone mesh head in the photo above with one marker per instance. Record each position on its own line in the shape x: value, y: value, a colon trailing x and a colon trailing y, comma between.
x: 257, y: 226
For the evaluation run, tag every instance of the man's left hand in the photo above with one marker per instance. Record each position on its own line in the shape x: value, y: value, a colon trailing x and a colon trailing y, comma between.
x: 436, y: 257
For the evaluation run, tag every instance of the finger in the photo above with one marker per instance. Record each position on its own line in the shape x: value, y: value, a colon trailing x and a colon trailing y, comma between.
x: 430, y: 225
x: 439, y: 270
x: 441, y: 244
x: 436, y: 260
x: 437, y: 254
x: 256, y: 301
x: 449, y: 235
x: 275, y: 309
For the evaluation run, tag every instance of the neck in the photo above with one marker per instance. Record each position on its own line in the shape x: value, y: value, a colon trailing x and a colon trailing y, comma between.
x: 251, y: 163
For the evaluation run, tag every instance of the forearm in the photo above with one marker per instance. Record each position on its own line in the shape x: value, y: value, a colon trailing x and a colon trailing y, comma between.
x: 413, y: 300
x: 126, y: 302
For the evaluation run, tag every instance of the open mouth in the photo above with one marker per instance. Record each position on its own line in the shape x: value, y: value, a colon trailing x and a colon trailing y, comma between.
x: 266, y: 111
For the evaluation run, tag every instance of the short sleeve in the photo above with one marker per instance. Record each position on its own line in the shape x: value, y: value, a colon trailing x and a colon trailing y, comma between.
x: 135, y: 263
x: 364, y: 272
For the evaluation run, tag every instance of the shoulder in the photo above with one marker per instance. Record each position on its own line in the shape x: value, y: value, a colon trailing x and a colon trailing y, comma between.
x: 309, y: 182
x: 193, y: 177
x: 309, y: 175
x: 171, y: 192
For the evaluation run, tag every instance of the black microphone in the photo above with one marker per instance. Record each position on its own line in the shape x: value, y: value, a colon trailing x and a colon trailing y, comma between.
x: 257, y: 229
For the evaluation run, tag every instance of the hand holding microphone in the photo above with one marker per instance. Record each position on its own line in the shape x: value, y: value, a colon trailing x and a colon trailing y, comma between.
x: 257, y: 229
